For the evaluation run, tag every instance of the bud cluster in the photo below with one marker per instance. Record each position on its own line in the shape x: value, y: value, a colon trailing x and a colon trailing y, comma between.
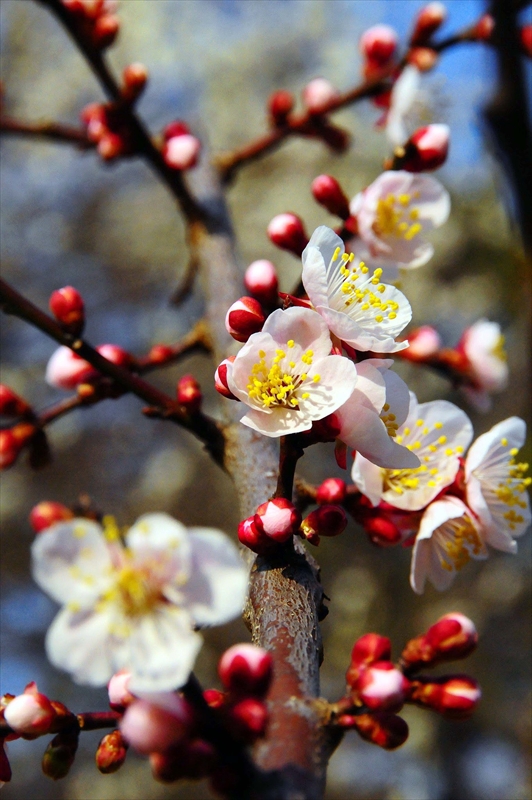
x: 96, y: 20
x: 108, y: 128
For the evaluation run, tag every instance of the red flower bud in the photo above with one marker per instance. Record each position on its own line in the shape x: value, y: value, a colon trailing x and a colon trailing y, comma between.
x: 47, y: 513
x: 452, y: 696
x: 111, y: 752
x: 426, y: 149
x: 11, y: 405
x: 220, y: 379
x: 429, y: 19
x: 423, y: 58
x: 175, y: 128
x: 332, y: 490
x: 189, y: 393
x: 381, y: 687
x: 260, y: 280
x: 382, y: 531
x: 328, y: 192
x: 371, y: 648
x: 451, y: 637
x: 245, y: 669
x: 278, y: 518
x: 135, y: 78
x: 327, y: 520
x: 318, y: 94
x: 160, y: 353
x: 525, y: 36
x: 214, y: 698
x: 280, y: 104
x: 244, y: 318
x: 250, y: 536
x: 484, y: 28
x: 67, y: 306
x: 287, y: 232
x: 381, y: 728
x: 115, y: 353
x: 12, y: 441
x: 248, y: 719
x: 105, y: 31
x: 182, y: 152
x: 378, y: 44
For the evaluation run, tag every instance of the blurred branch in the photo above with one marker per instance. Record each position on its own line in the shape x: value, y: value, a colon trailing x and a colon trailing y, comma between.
x: 47, y: 130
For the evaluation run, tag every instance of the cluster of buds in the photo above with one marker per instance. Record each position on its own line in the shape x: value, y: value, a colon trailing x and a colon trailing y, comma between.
x: 181, y: 149
x: 108, y: 128
x: 378, y: 688
x: 13, y: 439
x: 96, y: 20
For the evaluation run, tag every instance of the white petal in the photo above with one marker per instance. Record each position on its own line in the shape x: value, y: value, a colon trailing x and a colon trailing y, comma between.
x: 303, y: 325
x: 71, y: 561
x: 217, y: 589
x: 278, y: 422
x: 81, y: 644
x: 160, y: 534
x: 370, y: 438
x: 368, y: 478
x: 337, y: 380
x: 489, y: 445
x: 314, y: 276
x: 397, y: 395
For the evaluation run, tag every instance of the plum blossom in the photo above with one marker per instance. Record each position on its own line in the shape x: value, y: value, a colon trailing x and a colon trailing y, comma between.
x: 496, y: 484
x: 438, y: 433
x: 286, y: 375
x: 404, y: 94
x: 393, y: 213
x: 483, y: 346
x: 133, y: 603
x: 370, y: 418
x: 449, y: 537
x: 357, y: 307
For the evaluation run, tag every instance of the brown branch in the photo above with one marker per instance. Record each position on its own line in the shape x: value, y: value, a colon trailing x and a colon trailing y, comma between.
x: 48, y: 130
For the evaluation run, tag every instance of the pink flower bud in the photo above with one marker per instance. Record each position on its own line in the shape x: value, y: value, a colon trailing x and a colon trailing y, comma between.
x: 67, y: 306
x: 332, y: 490
x: 327, y: 520
x: 452, y: 696
x: 214, y: 698
x: 260, y: 280
x: 110, y: 145
x: 115, y: 353
x: 135, y: 78
x: 189, y: 393
x: 426, y: 149
x: 150, y: 728
x: 248, y: 719
x: 382, y: 531
x: 525, y: 36
x: 175, y: 128
x: 328, y: 192
x: 453, y: 636
x: 220, y: 379
x: 245, y: 669
x: 424, y: 342
x: 367, y: 650
x: 280, y: 104
x: 48, y: 513
x: 318, y: 94
x: 484, y: 28
x: 250, y: 536
x: 182, y: 152
x: 378, y: 44
x: 278, y: 518
x: 11, y: 405
x: 381, y: 728
x: 111, y: 752
x: 244, y: 318
x: 429, y: 19
x: 287, y: 232
x: 381, y: 687
x: 118, y: 690
x: 66, y: 369
x: 423, y: 58
x: 105, y: 31
x: 30, y: 714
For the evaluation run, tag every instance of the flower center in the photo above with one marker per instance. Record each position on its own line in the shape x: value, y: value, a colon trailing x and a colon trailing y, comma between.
x: 134, y: 591
x: 396, y: 215
x: 277, y: 385
x: 511, y: 487
x: 368, y: 295
x: 463, y: 542
x: 498, y: 351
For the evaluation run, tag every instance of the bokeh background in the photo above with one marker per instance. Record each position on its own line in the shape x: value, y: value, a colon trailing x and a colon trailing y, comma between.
x: 113, y: 232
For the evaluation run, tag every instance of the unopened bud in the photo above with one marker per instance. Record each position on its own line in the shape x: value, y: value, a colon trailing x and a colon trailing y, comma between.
x: 287, y: 232
x: 148, y: 727
x: 381, y: 728
x: 160, y: 353
x: 381, y: 687
x: 115, y: 353
x: 189, y: 393
x: 423, y: 343
x: 335, y: 137
x: 280, y: 104
x: 378, y: 44
x: 367, y: 650
x: 182, y: 152
x: 220, y: 379
x: 328, y: 192
x: 332, y: 490
x: 245, y: 669
x: 382, y: 531
x: 484, y: 28
x: 427, y: 149
x: 453, y: 636
x: 135, y: 78
x: 105, y: 31
x: 423, y: 58
x: 525, y: 37
x: 214, y: 698
x: 318, y: 94
x: 327, y: 520
x: 250, y: 536
x: 67, y: 306
x: 429, y: 19
x: 278, y: 518
x: 110, y: 146
x: 248, y: 719
x: 175, y: 128
x: 30, y: 714
x: 59, y: 755
x: 118, y: 690
x: 11, y: 405
x: 111, y: 752
x: 244, y: 318
x: 48, y: 513
x: 260, y: 279
x: 452, y: 696
x: 13, y: 440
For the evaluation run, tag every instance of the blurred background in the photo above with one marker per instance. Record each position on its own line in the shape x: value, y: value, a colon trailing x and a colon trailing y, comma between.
x: 113, y: 233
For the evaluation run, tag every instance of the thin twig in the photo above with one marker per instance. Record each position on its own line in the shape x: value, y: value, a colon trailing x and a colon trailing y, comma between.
x: 54, y: 131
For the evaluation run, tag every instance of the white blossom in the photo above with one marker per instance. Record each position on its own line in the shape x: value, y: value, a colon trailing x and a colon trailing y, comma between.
x: 438, y: 433
x: 134, y: 605
x: 448, y: 538
x: 286, y: 375
x: 496, y: 486
x: 357, y: 307
x: 483, y: 346
x: 404, y: 94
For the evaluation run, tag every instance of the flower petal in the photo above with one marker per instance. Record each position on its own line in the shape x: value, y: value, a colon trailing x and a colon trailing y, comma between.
x: 81, y: 644
x: 368, y: 477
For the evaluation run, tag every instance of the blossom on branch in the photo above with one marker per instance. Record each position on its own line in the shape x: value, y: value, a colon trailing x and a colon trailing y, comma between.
x: 134, y: 605
x: 482, y: 344
x: 286, y: 375
x: 357, y: 307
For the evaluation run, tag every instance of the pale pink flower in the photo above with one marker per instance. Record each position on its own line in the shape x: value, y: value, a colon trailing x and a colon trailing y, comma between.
x: 404, y: 94
x: 438, y: 433
x: 286, y: 375
x: 483, y: 346
x: 135, y: 605
x: 357, y: 307
x: 496, y: 486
